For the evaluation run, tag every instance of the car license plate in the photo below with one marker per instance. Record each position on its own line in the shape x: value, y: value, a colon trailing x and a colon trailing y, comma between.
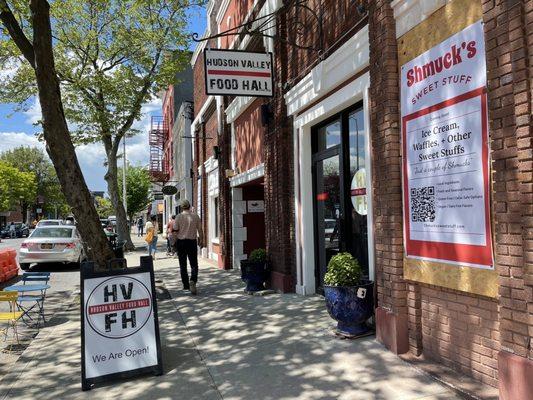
x: 47, y: 246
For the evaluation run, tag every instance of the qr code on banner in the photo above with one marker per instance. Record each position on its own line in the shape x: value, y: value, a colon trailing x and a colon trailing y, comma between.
x: 423, y: 204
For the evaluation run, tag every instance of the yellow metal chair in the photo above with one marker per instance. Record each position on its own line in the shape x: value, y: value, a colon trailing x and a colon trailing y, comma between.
x: 12, y: 316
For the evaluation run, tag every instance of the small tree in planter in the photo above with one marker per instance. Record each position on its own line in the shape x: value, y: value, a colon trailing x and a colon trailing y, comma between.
x: 349, y: 299
x: 255, y: 271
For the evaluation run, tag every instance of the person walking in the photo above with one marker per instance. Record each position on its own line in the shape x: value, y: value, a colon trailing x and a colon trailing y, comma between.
x: 171, y: 237
x: 188, y: 231
x: 12, y: 231
x: 151, y: 235
x: 140, y: 224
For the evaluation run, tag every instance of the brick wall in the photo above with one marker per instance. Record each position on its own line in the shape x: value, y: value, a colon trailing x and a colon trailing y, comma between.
x: 199, y: 84
x: 249, y: 134
x: 464, y: 331
x: 234, y: 16
x: 337, y: 21
x: 509, y: 39
x: 168, y: 115
x: 391, y: 316
x: 279, y: 183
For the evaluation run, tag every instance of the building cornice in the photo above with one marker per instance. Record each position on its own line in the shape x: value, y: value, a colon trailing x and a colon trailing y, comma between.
x: 247, y: 176
x: 409, y: 13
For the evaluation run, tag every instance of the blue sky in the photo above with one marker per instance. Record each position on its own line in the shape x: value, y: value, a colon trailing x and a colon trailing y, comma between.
x: 16, y: 128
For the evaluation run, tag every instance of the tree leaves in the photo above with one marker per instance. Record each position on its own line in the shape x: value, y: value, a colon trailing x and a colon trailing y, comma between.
x: 15, y: 186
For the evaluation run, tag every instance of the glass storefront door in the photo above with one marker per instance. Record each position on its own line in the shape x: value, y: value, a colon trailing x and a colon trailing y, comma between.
x: 339, y: 189
x: 327, y: 212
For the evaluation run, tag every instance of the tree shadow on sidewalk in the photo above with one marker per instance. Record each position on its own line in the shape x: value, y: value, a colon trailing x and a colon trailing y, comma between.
x: 282, y: 347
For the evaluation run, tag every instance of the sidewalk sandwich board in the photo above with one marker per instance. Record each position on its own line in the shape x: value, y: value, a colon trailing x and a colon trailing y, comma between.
x: 119, y: 323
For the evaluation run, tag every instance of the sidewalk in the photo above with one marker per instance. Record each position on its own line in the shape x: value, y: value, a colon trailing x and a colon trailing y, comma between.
x: 225, y: 344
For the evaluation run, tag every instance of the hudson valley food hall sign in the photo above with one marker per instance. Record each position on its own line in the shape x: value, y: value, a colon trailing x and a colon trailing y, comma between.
x: 120, y: 331
x: 238, y: 73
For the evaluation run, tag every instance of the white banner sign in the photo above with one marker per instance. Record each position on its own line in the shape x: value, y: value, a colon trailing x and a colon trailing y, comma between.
x: 119, y: 326
x: 445, y: 152
x: 238, y: 73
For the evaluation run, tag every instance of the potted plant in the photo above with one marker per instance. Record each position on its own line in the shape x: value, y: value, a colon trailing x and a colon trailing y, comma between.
x: 255, y: 271
x: 349, y: 299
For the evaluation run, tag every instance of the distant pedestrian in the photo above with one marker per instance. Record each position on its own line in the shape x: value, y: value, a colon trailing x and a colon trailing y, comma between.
x: 12, y: 231
x: 188, y: 231
x: 171, y: 237
x: 151, y: 235
x: 140, y: 224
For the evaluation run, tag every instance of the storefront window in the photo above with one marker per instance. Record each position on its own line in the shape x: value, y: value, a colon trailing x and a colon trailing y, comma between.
x: 217, y: 217
x: 328, y: 136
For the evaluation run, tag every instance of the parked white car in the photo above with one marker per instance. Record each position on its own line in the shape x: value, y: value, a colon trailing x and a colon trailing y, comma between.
x: 46, y: 244
x: 50, y: 222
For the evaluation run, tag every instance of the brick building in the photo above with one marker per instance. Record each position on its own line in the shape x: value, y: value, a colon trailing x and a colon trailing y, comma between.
x: 325, y: 156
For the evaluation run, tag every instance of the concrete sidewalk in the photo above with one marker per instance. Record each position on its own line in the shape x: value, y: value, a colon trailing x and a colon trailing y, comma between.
x: 225, y: 344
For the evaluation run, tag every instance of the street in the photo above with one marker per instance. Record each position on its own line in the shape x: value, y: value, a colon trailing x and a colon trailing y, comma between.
x: 64, y: 281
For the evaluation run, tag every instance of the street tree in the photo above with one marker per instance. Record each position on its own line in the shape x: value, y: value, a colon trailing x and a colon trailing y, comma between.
x: 104, y: 207
x: 111, y: 58
x: 138, y: 193
x: 16, y: 187
x: 34, y: 160
x: 27, y: 36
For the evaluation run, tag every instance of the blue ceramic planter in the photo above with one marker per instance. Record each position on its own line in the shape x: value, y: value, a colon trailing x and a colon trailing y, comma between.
x: 255, y: 275
x: 350, y: 306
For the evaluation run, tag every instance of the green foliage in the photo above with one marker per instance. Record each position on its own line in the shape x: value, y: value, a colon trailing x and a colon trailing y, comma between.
x: 258, y: 256
x: 343, y: 270
x: 104, y: 207
x: 111, y: 57
x: 138, y: 187
x: 15, y: 186
x: 33, y: 160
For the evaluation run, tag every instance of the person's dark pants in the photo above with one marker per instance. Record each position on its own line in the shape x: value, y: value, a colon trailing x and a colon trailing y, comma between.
x: 140, y: 230
x: 187, y: 249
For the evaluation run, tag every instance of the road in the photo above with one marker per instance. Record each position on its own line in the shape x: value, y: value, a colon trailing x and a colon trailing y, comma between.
x: 64, y: 283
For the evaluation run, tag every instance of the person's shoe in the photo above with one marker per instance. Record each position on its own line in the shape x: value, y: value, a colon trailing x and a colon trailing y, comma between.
x: 193, y: 288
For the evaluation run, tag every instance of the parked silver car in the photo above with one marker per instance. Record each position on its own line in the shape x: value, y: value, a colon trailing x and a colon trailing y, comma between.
x: 60, y: 243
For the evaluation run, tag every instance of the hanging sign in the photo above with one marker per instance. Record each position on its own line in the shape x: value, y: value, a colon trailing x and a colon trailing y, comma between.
x: 169, y: 190
x: 358, y: 192
x: 445, y: 152
x: 238, y: 73
x: 120, y: 330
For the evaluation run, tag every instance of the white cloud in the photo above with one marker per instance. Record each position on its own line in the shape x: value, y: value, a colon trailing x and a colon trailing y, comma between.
x: 34, y: 112
x: 10, y: 140
x: 92, y: 156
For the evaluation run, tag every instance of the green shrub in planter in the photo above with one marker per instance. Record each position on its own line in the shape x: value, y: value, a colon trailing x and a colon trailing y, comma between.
x: 258, y: 256
x: 343, y: 270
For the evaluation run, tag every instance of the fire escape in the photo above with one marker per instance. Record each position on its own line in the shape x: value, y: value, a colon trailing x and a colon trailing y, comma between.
x: 157, y: 137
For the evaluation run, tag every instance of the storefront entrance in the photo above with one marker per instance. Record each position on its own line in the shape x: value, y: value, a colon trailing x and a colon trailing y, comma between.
x: 339, y: 189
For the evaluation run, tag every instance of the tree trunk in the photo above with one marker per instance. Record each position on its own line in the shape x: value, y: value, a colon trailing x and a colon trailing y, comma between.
x: 58, y: 141
x: 112, y: 188
x: 24, y: 211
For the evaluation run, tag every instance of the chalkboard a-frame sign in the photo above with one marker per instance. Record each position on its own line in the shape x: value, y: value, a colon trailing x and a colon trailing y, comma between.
x: 119, y: 324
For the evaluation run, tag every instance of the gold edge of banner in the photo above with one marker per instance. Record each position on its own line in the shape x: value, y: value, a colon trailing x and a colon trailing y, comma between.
x: 443, y: 23
x: 479, y: 281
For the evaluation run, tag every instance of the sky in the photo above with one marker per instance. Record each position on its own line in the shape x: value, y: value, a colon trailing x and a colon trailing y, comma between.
x: 17, y: 128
